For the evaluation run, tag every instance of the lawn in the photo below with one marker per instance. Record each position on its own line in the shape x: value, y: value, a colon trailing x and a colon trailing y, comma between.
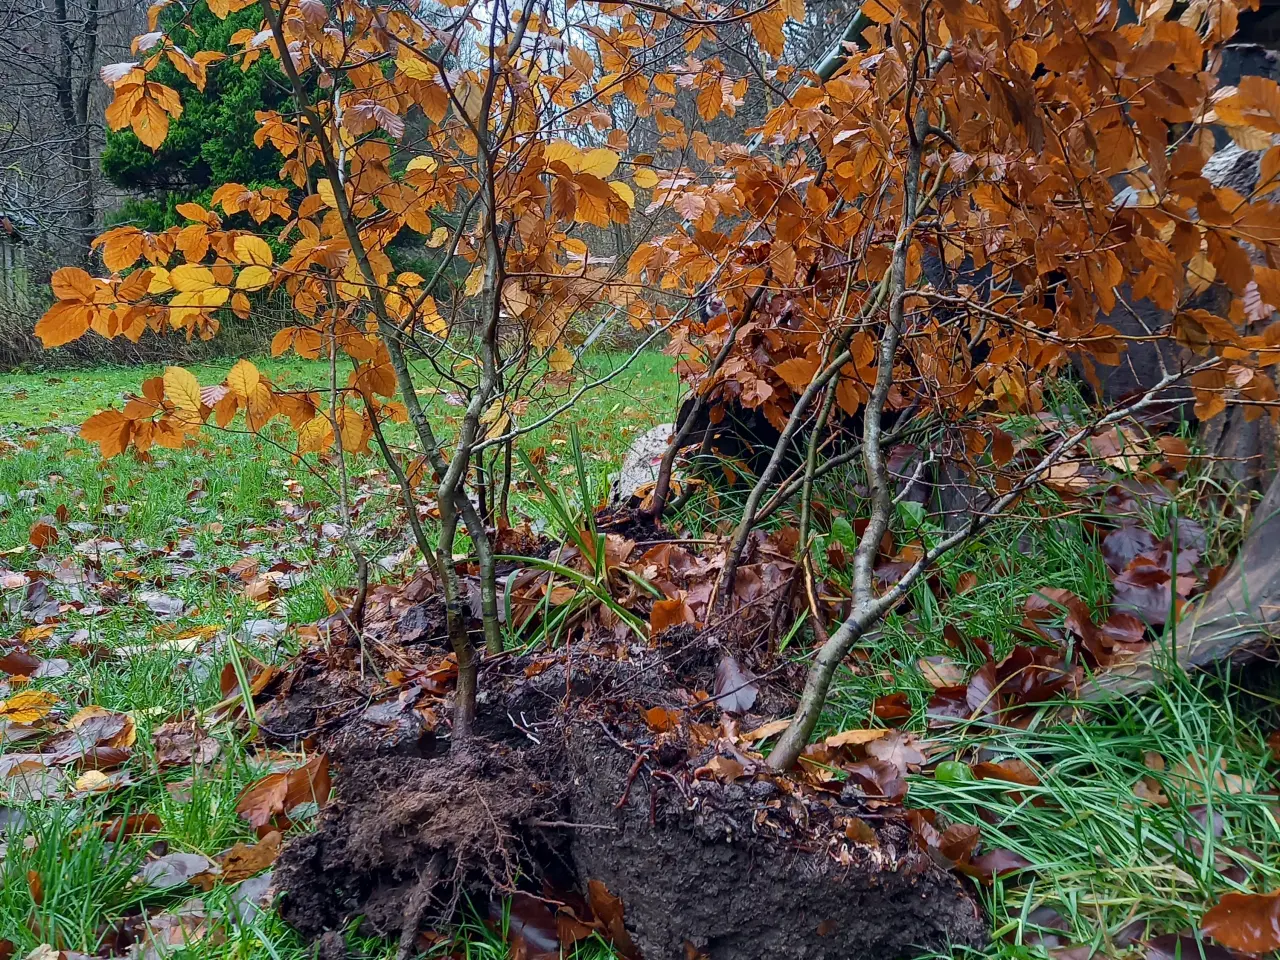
x: 154, y: 584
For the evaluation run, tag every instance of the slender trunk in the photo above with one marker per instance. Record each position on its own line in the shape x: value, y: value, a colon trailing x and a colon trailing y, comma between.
x: 866, y: 609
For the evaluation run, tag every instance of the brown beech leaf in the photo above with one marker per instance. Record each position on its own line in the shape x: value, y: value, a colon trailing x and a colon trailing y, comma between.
x: 662, y: 719
x: 42, y: 533
x: 958, y: 841
x: 1249, y: 922
x: 609, y: 911
x: 724, y: 769
x: 891, y: 707
x: 271, y: 799
x: 1011, y: 771
x: 942, y: 671
x: 1122, y: 628
x: 531, y: 928
x: 847, y: 738
x: 180, y: 742
x: 243, y: 860
x: 19, y: 663
x: 669, y: 613
x: 994, y: 864
x: 1184, y: 946
x: 897, y: 749
x: 1122, y: 545
x: 174, y: 869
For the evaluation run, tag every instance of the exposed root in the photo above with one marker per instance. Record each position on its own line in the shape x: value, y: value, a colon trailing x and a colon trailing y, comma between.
x: 419, y: 903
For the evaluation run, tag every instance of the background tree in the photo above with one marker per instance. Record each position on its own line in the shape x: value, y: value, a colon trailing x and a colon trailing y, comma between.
x: 50, y: 55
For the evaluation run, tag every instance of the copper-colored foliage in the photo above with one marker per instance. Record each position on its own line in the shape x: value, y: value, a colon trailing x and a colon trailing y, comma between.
x: 1249, y: 922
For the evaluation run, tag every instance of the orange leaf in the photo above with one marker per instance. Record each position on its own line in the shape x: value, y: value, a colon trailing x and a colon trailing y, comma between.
x: 669, y: 613
x: 72, y: 283
x: 63, y: 322
x: 797, y: 372
x: 110, y: 430
x: 1249, y: 922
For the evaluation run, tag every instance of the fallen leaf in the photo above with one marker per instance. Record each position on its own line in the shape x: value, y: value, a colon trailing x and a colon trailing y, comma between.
x: 174, y: 869
x: 764, y: 731
x: 724, y: 769
x: 662, y: 719
x: 1249, y: 922
x: 181, y: 742
x: 243, y: 860
x: 735, y: 688
x: 28, y: 706
x: 993, y: 864
x: 1175, y: 946
x: 942, y: 671
x: 846, y: 738
x: 42, y: 534
x: 93, y: 781
x: 276, y: 796
x: 609, y: 911
x: 897, y: 749
x: 958, y: 841
x: 667, y: 614
x: 1012, y: 771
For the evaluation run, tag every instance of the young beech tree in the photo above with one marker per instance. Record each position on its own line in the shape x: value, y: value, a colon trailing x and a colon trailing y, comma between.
x: 921, y: 232
x: 945, y: 225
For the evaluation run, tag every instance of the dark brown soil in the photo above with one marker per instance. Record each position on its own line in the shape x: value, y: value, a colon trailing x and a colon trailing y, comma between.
x: 751, y: 869
x: 701, y: 870
x: 477, y: 810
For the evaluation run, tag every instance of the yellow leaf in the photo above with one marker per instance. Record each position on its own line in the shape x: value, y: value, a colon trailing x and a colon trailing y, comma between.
x: 28, y: 706
x: 315, y: 435
x: 561, y: 360
x: 413, y: 66
x: 847, y: 737
x: 428, y: 164
x: 150, y: 122
x: 599, y: 162
x: 253, y: 250
x: 645, y: 178
x: 324, y: 190
x: 198, y: 299
x: 623, y: 192
x: 498, y: 427
x: 243, y: 378
x: 438, y: 237
x: 159, y: 282
x: 92, y: 781
x: 191, y: 278
x: 182, y: 389
x: 253, y: 278
x: 564, y: 151
x: 765, y: 730
x: 475, y: 280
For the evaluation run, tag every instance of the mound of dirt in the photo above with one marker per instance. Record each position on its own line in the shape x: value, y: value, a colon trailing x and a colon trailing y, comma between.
x: 408, y: 836
x: 701, y: 873
x: 608, y: 769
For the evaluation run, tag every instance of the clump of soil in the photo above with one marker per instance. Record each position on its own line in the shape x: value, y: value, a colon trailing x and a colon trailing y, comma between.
x: 609, y: 764
x: 408, y: 835
x: 702, y: 873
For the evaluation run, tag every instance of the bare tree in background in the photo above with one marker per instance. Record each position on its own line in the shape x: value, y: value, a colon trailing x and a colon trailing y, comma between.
x: 51, y: 130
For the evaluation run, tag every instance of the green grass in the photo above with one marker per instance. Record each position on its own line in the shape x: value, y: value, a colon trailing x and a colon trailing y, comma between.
x: 1103, y: 859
